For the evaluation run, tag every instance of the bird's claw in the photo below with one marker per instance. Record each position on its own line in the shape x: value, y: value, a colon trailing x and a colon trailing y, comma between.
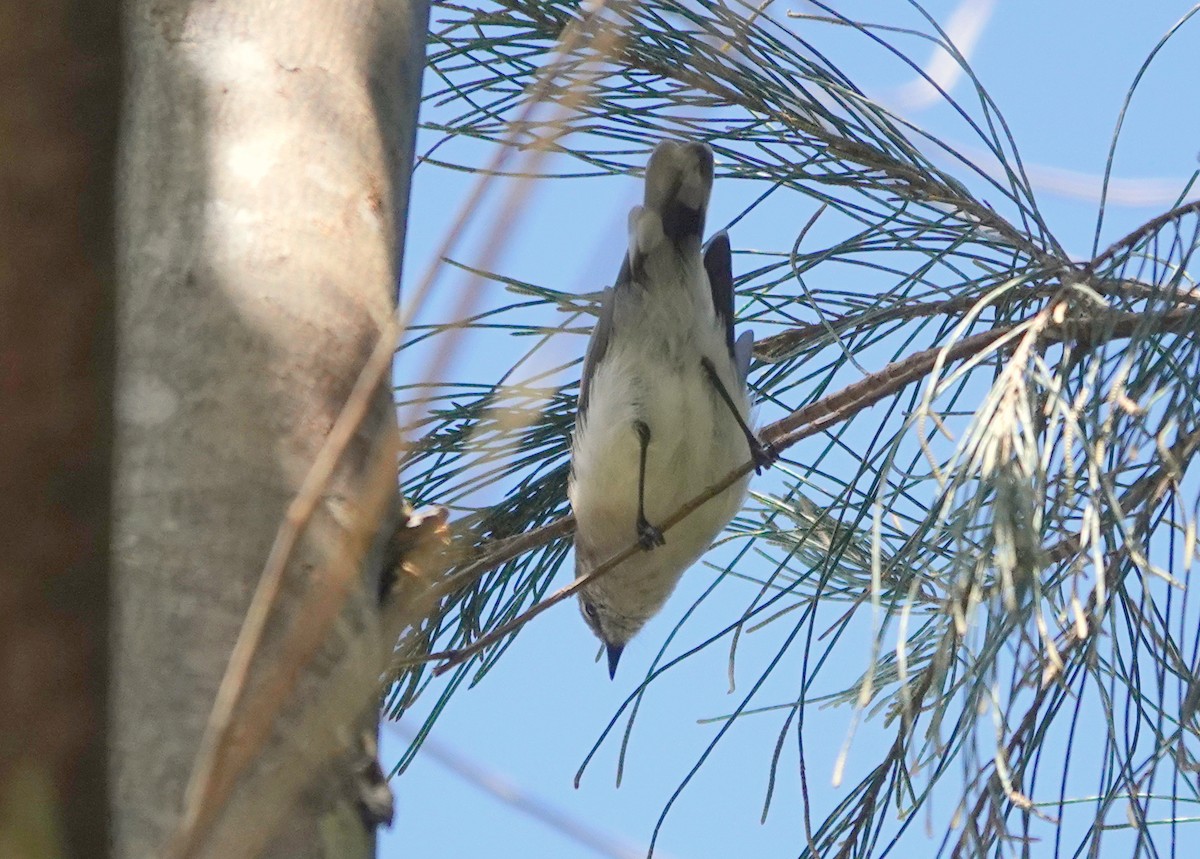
x: 649, y: 536
x: 764, y: 455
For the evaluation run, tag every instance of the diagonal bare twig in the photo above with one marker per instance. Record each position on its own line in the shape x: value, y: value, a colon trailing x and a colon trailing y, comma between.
x: 784, y: 433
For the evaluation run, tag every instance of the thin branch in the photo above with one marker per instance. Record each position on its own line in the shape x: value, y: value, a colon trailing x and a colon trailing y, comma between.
x: 801, y: 424
x: 1144, y: 231
x: 779, y: 347
x: 505, y: 791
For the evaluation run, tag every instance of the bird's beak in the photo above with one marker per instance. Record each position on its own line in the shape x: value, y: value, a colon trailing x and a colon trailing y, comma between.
x: 614, y: 656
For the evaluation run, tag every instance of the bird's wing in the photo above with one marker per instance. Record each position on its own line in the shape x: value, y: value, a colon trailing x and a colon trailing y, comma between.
x: 718, y: 262
x: 598, y: 344
x: 742, y: 351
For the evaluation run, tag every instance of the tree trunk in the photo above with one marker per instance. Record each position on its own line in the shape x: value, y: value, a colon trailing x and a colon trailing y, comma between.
x: 264, y: 185
x: 58, y: 105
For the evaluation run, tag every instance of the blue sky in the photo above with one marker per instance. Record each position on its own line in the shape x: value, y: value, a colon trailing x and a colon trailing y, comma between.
x: 1059, y: 72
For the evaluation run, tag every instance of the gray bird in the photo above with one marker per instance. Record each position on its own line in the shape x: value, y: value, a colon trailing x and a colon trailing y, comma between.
x: 663, y: 406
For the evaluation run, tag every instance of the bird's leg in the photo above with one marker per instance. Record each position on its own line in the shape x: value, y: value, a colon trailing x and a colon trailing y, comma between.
x: 648, y: 535
x: 763, y: 453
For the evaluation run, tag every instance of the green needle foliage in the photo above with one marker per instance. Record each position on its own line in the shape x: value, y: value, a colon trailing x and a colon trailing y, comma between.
x: 1006, y: 535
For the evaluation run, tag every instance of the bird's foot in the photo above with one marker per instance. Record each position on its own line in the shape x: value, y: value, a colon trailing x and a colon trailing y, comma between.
x: 649, y: 536
x: 763, y: 453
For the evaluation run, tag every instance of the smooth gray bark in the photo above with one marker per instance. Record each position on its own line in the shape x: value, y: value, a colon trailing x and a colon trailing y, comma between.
x: 264, y: 184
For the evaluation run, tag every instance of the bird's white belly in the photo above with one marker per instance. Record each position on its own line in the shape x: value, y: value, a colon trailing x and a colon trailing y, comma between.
x: 694, y: 441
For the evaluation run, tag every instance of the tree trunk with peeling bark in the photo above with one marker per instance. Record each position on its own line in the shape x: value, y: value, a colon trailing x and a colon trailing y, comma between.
x: 263, y: 188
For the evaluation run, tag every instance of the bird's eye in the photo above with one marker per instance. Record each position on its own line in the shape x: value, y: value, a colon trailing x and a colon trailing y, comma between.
x: 590, y: 611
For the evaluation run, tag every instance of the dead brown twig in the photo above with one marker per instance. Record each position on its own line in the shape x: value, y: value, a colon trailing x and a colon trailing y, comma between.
x: 800, y: 424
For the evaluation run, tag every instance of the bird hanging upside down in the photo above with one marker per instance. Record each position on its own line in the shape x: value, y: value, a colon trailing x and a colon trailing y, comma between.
x: 663, y: 406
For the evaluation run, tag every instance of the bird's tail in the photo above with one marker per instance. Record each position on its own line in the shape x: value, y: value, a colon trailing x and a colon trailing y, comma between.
x: 678, y: 184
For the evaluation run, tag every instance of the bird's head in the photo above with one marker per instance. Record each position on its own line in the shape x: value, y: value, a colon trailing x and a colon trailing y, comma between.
x: 679, y: 178
x: 613, y: 624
